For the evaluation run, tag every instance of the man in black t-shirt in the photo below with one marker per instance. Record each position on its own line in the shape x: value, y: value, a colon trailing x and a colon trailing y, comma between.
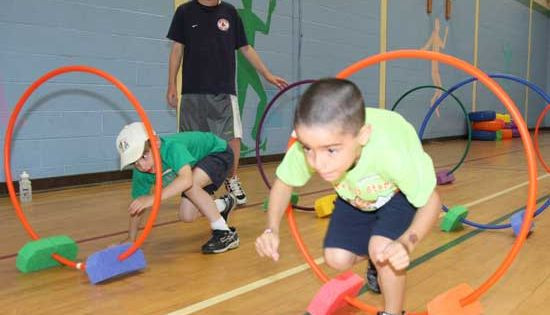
x: 205, y: 35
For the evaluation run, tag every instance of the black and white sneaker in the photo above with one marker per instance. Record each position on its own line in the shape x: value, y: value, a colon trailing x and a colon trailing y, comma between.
x: 372, y: 278
x: 230, y: 204
x: 234, y: 187
x: 221, y: 241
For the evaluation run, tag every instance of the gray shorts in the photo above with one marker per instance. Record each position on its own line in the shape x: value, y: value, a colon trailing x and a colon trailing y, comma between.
x: 218, y: 114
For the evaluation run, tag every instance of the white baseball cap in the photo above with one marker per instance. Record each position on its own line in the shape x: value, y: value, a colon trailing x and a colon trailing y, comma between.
x: 131, y: 142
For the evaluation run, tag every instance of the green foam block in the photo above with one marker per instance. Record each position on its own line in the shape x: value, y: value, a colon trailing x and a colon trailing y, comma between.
x: 451, y: 220
x: 294, y: 198
x: 37, y: 255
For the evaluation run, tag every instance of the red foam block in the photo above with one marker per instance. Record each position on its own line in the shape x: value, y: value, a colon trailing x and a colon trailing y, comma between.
x: 331, y: 295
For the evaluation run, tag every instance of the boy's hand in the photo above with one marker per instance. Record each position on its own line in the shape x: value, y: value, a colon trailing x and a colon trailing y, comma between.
x: 396, y: 254
x: 267, y: 245
x: 139, y: 204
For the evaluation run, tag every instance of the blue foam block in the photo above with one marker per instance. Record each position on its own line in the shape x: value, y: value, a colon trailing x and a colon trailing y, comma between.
x: 105, y: 264
x: 482, y: 115
x: 516, y: 221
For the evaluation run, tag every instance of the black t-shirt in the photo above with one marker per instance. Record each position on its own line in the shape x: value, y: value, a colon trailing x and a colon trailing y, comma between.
x: 210, y: 36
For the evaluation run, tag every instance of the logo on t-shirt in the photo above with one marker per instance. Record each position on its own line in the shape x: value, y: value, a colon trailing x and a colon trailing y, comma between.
x: 223, y: 24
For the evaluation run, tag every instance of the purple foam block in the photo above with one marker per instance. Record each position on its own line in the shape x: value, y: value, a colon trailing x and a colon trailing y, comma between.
x: 510, y: 125
x: 515, y: 133
x: 105, y: 264
x: 444, y: 177
x: 516, y: 221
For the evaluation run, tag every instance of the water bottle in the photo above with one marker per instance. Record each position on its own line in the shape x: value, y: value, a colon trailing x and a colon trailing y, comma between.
x: 25, y: 188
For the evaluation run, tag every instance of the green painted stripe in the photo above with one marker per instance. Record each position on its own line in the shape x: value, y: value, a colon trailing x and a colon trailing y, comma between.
x: 536, y: 6
x: 443, y: 248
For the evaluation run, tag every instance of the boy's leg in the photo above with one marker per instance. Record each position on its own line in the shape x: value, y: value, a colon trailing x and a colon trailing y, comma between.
x: 225, y: 121
x: 340, y: 259
x: 346, y: 241
x: 392, y: 281
x: 393, y: 219
x: 223, y: 238
x: 372, y: 277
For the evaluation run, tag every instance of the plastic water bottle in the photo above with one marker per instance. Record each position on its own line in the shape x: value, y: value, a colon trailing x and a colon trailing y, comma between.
x: 25, y: 188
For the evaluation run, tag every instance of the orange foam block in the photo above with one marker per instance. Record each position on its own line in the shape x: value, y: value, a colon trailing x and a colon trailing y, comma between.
x: 448, y: 303
x: 331, y: 296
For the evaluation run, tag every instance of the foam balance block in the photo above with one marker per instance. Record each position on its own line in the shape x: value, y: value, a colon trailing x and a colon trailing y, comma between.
x: 452, y: 219
x: 325, y: 205
x: 504, y: 117
x: 104, y: 265
x: 507, y: 134
x: 510, y: 125
x: 482, y: 115
x: 331, y: 296
x: 486, y: 135
x: 491, y: 125
x: 448, y: 303
x: 444, y: 177
x: 516, y: 221
x: 515, y: 133
x: 37, y: 255
x: 294, y: 198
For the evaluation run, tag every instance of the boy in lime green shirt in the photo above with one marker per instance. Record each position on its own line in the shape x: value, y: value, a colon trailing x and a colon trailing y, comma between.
x: 194, y: 165
x: 385, y: 183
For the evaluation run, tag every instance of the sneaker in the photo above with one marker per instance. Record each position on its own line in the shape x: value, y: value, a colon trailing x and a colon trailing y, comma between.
x: 221, y: 241
x: 372, y: 278
x: 230, y: 204
x: 234, y: 187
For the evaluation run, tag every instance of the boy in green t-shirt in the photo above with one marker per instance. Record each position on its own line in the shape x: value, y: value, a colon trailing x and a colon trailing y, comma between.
x: 385, y: 183
x: 194, y: 164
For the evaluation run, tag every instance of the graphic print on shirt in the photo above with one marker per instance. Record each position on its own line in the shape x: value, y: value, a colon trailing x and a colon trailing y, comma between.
x: 368, y: 193
x: 223, y: 24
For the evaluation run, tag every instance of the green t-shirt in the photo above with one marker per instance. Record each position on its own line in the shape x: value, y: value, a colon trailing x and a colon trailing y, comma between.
x: 176, y: 151
x: 392, y: 160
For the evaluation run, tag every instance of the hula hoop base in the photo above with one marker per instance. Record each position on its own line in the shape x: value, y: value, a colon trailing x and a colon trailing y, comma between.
x: 37, y: 255
x: 332, y: 294
x: 444, y: 177
x: 448, y: 303
x: 104, y: 265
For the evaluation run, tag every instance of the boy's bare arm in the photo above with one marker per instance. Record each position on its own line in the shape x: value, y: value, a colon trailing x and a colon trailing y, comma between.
x: 279, y: 197
x: 267, y: 244
x: 423, y: 221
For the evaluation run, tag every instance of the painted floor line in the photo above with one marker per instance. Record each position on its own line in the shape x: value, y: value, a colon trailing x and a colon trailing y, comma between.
x: 244, y: 289
x: 505, y: 191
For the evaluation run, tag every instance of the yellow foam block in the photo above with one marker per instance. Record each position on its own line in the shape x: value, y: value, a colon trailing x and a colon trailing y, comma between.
x: 325, y: 205
x: 504, y: 117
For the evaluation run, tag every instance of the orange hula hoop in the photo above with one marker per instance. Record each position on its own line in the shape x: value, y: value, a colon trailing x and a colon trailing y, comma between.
x: 528, y: 148
x: 536, y: 138
x: 144, y: 118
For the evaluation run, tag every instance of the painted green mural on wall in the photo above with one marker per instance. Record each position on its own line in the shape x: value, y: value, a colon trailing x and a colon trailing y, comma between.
x: 246, y: 74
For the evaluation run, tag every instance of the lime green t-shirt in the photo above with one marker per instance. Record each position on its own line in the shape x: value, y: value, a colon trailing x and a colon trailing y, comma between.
x: 392, y: 160
x: 176, y: 151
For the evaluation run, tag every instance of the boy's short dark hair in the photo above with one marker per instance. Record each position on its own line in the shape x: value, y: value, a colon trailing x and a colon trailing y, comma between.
x: 332, y: 101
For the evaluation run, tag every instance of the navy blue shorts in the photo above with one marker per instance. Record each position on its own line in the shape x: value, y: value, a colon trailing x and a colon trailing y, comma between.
x: 217, y: 166
x: 351, y: 228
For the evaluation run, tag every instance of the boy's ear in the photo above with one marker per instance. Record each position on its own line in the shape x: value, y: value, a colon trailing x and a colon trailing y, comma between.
x: 364, y: 134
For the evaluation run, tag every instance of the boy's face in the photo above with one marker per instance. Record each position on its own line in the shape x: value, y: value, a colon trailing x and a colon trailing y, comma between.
x: 330, y: 150
x: 146, y: 163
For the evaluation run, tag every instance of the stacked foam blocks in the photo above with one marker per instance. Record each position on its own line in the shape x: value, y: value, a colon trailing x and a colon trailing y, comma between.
x: 492, y: 126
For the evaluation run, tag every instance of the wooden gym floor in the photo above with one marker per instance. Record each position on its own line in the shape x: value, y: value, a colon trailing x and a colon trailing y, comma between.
x: 180, y: 280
